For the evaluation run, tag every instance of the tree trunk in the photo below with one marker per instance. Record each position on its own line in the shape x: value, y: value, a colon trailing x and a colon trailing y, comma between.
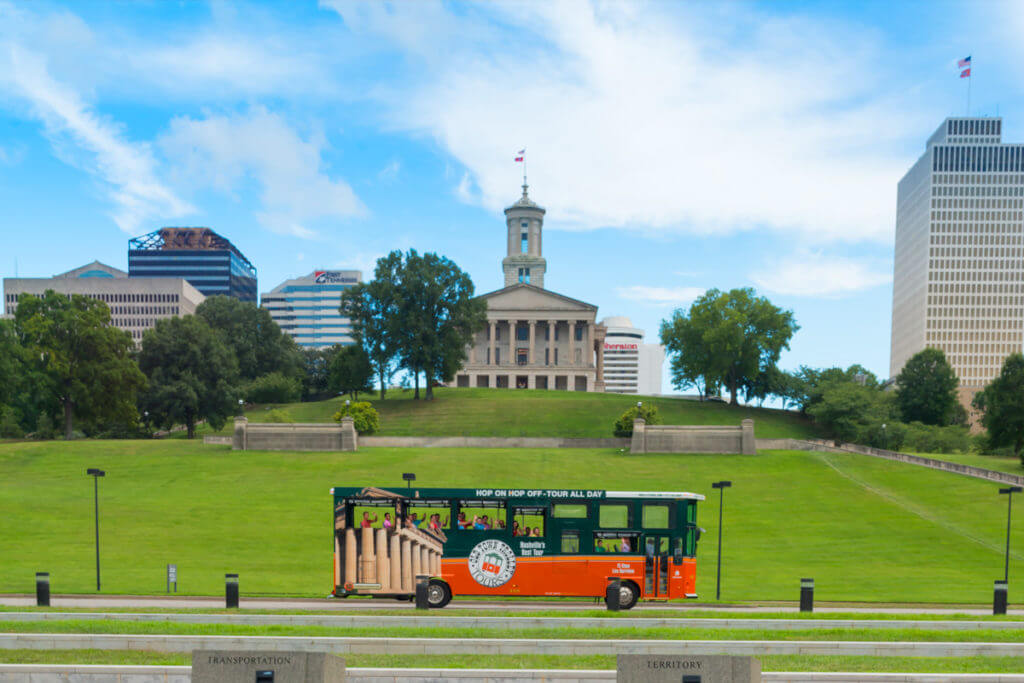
x: 416, y: 383
x: 383, y: 387
x: 732, y: 394
x: 190, y: 426
x: 68, y: 426
x: 430, y: 388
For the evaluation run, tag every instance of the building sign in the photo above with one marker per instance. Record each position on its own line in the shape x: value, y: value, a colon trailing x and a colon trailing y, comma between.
x: 333, y: 277
x: 621, y: 347
x: 492, y: 563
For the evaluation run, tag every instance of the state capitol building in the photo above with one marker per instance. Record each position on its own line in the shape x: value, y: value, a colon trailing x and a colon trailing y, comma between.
x: 534, y: 338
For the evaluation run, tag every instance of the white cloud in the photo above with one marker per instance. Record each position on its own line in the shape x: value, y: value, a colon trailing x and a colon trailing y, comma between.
x: 85, y: 139
x: 226, y: 150
x: 660, y: 296
x: 647, y: 118
x: 813, y: 274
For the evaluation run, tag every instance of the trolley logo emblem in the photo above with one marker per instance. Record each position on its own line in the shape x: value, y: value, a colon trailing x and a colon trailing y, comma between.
x: 492, y: 563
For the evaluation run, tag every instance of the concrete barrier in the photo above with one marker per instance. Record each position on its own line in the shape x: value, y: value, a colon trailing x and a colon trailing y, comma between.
x: 63, y: 673
x: 693, y: 438
x: 500, y: 646
x: 470, y: 623
x: 490, y: 442
x: 312, y: 436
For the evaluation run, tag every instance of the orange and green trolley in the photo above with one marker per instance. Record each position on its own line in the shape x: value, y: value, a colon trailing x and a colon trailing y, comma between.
x: 508, y: 542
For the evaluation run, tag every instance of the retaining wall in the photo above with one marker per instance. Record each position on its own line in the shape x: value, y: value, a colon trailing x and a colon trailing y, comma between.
x: 489, y: 442
x: 311, y: 436
x: 693, y: 438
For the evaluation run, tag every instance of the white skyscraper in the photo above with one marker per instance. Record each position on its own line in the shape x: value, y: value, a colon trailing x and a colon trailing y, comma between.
x: 958, y: 283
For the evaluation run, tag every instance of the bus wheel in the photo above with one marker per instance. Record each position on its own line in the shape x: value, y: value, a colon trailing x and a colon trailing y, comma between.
x: 438, y: 593
x: 629, y: 593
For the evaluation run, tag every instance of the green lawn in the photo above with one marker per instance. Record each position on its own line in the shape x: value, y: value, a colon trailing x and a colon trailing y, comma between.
x: 504, y: 412
x: 866, y: 529
x: 768, y: 663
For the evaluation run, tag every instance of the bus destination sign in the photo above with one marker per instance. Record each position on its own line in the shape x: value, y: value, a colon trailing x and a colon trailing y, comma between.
x: 538, y: 493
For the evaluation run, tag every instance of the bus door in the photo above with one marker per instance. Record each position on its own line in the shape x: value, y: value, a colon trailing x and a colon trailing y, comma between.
x: 656, y: 565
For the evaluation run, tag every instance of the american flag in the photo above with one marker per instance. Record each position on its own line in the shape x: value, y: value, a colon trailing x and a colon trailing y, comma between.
x: 966, y: 61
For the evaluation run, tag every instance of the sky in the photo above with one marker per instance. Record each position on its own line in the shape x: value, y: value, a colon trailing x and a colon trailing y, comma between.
x: 677, y: 147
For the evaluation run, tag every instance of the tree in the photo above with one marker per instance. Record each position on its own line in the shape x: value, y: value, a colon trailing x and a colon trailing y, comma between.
x: 274, y: 387
x: 808, y: 384
x: 647, y: 412
x: 258, y: 343
x: 86, y: 362
x: 364, y: 416
x: 192, y: 373
x: 727, y: 339
x: 314, y: 380
x: 848, y: 410
x: 349, y: 371
x: 1002, y: 405
x: 374, y: 309
x: 926, y: 389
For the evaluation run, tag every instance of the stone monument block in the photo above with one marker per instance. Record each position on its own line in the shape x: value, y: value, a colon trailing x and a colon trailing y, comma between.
x: 687, y: 669
x: 255, y: 666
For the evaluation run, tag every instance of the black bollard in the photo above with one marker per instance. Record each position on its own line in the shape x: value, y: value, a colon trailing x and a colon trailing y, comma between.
x: 42, y: 589
x: 612, y: 593
x: 806, y: 595
x: 231, y: 590
x: 999, y: 596
x: 422, y: 587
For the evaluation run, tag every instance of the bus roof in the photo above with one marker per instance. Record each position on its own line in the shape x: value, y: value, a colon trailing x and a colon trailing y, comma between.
x: 516, y: 493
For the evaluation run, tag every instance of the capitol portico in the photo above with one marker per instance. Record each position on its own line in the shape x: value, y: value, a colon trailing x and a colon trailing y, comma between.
x: 534, y: 338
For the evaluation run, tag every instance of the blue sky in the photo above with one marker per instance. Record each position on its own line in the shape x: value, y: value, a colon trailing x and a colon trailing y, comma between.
x: 676, y: 146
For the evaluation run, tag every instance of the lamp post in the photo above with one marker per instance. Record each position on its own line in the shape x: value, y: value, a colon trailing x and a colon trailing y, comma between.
x: 721, y: 486
x: 241, y: 407
x: 1009, y: 491
x: 96, y: 474
x: 409, y: 478
x: 885, y: 438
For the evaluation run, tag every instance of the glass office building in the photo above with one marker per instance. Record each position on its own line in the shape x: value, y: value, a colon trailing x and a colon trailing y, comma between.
x: 209, y: 262
x: 307, y: 307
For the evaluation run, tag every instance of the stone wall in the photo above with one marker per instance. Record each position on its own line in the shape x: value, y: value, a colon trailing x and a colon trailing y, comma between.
x: 693, y: 438
x: 271, y: 436
x: 489, y: 442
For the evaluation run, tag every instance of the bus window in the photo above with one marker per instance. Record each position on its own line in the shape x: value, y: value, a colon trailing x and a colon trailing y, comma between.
x: 373, y: 516
x: 427, y: 514
x: 614, y: 542
x: 481, y: 515
x: 571, y: 511
x: 528, y: 521
x: 655, y: 516
x: 613, y: 516
x: 677, y: 552
x: 570, y: 541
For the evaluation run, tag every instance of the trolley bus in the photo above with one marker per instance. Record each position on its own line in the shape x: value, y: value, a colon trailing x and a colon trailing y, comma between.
x: 491, y: 542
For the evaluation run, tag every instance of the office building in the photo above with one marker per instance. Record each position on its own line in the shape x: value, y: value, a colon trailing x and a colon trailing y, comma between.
x: 630, y: 366
x: 958, y: 280
x: 307, y: 307
x: 135, y: 303
x: 534, y: 338
x: 208, y: 261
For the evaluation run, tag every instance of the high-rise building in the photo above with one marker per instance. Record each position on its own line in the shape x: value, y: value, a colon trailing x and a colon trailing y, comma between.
x: 135, y: 303
x: 959, y: 258
x: 630, y: 366
x: 208, y: 261
x: 307, y: 307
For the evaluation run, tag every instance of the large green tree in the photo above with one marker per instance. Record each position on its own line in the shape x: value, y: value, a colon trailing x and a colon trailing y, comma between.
x: 1002, y: 405
x: 848, y: 410
x: 375, y: 311
x: 926, y: 389
x: 350, y: 371
x: 193, y: 374
x: 259, y: 344
x: 86, y: 362
x: 314, y: 382
x: 726, y: 339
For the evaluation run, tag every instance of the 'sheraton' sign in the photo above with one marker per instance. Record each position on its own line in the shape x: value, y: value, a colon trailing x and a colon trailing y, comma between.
x: 621, y: 347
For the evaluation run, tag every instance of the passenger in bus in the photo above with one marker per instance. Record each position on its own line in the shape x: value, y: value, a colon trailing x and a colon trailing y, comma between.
x: 416, y: 521
x: 388, y: 524
x: 624, y: 546
x: 515, y: 527
x: 501, y: 524
x: 367, y: 522
x: 486, y: 522
x: 461, y: 521
x: 599, y: 546
x: 478, y: 524
x: 536, y: 531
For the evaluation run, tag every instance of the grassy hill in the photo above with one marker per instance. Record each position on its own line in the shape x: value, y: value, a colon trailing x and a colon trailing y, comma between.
x: 504, y: 412
x: 865, y: 529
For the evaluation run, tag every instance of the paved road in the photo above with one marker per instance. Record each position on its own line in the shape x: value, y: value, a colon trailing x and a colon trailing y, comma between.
x: 298, y: 604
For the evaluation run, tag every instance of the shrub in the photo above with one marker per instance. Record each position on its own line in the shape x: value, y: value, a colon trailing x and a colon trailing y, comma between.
x: 891, y: 437
x: 931, y: 439
x: 278, y: 415
x: 624, y: 425
x: 9, y: 427
x: 274, y: 388
x: 364, y: 415
x: 44, y: 427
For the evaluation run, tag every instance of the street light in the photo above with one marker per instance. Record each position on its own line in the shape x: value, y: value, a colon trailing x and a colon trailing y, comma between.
x: 241, y: 407
x: 721, y: 486
x: 96, y: 474
x: 1009, y: 491
x: 409, y: 478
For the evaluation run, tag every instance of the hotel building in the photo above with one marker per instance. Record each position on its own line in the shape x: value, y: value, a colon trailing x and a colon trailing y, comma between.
x: 136, y: 303
x: 307, y: 307
x: 208, y: 261
x: 630, y: 366
x: 958, y: 279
